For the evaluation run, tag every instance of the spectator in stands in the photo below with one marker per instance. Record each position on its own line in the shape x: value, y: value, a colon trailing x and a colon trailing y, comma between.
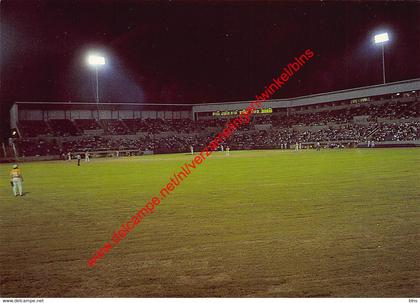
x: 391, y: 121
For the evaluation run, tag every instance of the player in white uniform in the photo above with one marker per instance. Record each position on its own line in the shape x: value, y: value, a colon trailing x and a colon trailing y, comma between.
x: 87, y: 157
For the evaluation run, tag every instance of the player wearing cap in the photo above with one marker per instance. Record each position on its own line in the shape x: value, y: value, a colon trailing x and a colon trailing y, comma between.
x: 16, y: 180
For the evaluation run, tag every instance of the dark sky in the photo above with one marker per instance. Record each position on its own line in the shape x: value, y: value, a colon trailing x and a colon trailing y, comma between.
x: 192, y: 52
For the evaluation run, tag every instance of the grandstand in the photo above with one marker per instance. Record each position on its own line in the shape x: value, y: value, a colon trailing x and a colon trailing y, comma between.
x: 387, y: 114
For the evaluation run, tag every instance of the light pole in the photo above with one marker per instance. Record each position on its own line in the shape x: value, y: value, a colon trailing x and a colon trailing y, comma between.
x: 96, y: 61
x: 381, y: 39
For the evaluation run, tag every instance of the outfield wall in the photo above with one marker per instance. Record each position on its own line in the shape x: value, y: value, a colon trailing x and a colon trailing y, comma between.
x: 415, y: 143
x: 385, y: 144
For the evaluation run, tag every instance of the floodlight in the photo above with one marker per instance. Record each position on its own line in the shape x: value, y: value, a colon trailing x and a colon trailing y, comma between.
x: 96, y: 60
x: 381, y: 38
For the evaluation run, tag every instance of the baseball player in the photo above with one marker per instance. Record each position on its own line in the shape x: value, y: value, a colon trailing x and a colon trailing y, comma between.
x: 16, y: 180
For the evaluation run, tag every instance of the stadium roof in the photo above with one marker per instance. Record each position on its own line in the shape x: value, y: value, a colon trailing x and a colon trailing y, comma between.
x: 93, y: 105
x: 341, y: 95
x: 353, y: 93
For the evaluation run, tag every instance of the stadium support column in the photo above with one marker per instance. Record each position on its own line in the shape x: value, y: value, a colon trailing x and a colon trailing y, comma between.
x: 382, y: 39
x: 97, y: 84
x: 96, y: 61
x: 4, y: 149
x: 383, y: 63
x: 15, y: 153
x: 97, y: 91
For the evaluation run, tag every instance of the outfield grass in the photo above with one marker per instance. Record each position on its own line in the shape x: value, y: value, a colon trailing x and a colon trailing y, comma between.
x: 257, y: 223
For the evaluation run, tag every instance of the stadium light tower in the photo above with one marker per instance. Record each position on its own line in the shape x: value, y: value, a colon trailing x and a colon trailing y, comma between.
x: 96, y: 61
x: 381, y: 39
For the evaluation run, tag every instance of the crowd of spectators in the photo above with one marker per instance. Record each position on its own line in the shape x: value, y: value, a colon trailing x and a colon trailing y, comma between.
x: 156, y: 126
x: 181, y: 133
x: 405, y: 131
x: 152, y: 126
x: 390, y: 110
x: 159, y: 145
x: 87, y: 124
x: 63, y: 128
x: 115, y: 127
x: 34, y: 128
x: 263, y: 139
x: 86, y: 143
x: 36, y: 147
x: 288, y: 136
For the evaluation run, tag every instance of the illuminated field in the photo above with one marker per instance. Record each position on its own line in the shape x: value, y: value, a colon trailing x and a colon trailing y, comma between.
x: 257, y: 223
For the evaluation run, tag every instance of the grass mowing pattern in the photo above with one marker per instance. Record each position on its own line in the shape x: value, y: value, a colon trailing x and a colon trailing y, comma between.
x: 257, y: 223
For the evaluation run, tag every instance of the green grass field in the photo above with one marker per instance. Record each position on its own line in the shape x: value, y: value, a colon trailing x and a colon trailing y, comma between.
x: 334, y: 223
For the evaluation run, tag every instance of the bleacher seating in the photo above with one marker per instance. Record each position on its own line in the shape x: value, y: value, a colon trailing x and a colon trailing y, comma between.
x: 87, y: 124
x: 36, y: 147
x: 63, y: 128
x: 405, y: 131
x: 134, y: 125
x: 115, y: 127
x: 34, y: 128
x: 390, y: 121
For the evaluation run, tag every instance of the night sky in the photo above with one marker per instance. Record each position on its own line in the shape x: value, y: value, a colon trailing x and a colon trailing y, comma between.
x: 193, y: 52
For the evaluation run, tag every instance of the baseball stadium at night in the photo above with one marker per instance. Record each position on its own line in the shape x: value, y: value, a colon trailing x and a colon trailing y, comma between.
x: 187, y: 149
